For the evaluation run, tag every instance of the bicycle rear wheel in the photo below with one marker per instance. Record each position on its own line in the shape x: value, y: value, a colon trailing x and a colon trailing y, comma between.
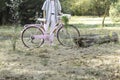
x: 66, y: 35
x: 28, y: 37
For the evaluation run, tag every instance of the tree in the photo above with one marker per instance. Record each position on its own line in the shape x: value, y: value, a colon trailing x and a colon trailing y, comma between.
x: 107, y: 7
x: 3, y: 12
x: 14, y: 10
x: 98, y: 6
x: 28, y: 10
x: 83, y: 7
x: 115, y: 12
x: 66, y: 5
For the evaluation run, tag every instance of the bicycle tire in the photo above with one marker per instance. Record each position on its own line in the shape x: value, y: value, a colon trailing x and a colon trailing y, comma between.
x: 27, y: 34
x: 66, y: 36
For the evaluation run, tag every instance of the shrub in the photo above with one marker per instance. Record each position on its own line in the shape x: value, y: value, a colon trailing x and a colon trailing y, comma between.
x: 115, y: 12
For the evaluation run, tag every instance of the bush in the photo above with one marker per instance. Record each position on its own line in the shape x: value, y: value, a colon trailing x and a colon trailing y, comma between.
x: 115, y: 12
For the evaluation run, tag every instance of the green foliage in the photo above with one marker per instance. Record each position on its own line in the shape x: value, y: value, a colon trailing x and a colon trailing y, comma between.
x: 14, y: 10
x: 98, y: 7
x: 84, y: 7
x: 115, y: 12
x: 4, y: 12
x: 28, y: 9
x: 65, y: 20
x: 2, y: 4
x: 66, y: 5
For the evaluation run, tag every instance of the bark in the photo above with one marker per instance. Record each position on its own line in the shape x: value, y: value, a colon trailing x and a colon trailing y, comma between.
x: 89, y: 40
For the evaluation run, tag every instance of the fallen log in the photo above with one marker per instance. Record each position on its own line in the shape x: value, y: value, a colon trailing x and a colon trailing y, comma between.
x: 92, y: 39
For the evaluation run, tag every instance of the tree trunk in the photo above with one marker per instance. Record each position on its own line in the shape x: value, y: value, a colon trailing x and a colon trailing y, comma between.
x: 103, y: 21
x: 3, y: 20
x: 89, y: 40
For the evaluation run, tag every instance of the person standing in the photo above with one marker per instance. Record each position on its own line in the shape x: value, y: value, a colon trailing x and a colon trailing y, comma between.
x: 51, y: 9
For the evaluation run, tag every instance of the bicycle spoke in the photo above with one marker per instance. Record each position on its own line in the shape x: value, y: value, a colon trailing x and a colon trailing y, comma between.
x: 28, y: 37
x: 66, y: 35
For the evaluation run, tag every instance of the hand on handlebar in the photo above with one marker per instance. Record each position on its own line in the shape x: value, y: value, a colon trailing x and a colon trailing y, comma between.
x: 60, y: 13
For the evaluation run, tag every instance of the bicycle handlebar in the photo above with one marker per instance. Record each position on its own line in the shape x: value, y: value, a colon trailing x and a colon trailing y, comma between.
x: 59, y: 17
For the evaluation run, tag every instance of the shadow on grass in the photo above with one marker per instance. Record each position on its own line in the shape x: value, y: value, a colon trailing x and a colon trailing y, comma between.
x: 96, y: 25
x: 11, y: 75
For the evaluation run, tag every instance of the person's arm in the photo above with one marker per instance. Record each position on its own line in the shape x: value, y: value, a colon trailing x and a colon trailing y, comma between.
x: 59, y: 8
x: 44, y: 8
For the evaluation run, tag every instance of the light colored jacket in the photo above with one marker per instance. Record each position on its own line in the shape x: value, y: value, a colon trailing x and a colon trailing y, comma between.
x: 46, y: 8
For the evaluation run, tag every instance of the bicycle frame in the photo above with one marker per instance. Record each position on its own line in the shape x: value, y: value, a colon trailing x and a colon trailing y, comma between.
x: 34, y: 35
x: 46, y: 36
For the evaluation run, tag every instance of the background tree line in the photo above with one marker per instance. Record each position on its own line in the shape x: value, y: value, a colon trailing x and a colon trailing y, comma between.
x: 30, y: 9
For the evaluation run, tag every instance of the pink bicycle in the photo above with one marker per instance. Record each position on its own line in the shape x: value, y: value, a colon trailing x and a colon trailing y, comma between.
x: 34, y: 35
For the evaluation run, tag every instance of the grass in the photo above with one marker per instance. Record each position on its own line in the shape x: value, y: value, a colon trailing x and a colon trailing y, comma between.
x: 91, y: 22
x: 98, y: 62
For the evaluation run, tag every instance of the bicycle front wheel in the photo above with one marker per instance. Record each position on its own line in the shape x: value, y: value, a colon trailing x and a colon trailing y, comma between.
x: 66, y: 35
x: 28, y: 38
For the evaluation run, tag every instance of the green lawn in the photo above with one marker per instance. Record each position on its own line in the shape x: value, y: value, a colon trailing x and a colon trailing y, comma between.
x: 98, y: 62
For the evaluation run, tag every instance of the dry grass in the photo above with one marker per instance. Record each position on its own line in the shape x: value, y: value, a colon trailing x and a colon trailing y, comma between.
x: 98, y: 62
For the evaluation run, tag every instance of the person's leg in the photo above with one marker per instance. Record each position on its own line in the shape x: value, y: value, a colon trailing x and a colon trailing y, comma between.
x: 46, y: 25
x: 53, y: 23
x: 52, y: 26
